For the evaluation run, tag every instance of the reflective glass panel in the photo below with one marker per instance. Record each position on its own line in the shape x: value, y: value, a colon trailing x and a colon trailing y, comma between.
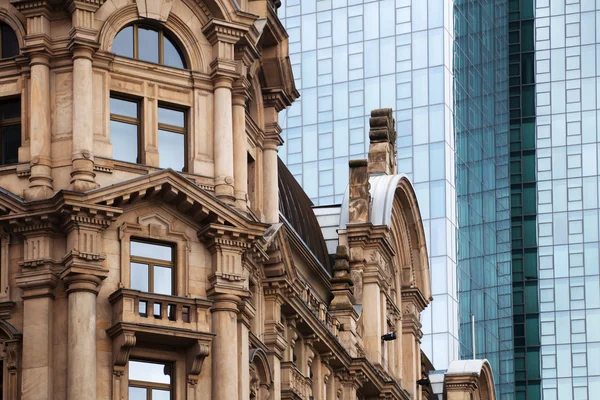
x: 171, y: 148
x: 124, y: 139
x: 123, y: 43
x: 149, y: 372
x: 151, y: 250
x: 124, y: 107
x: 158, y: 394
x: 148, y: 45
x: 162, y: 280
x: 171, y: 117
x: 171, y: 56
x: 136, y: 393
x: 139, y: 276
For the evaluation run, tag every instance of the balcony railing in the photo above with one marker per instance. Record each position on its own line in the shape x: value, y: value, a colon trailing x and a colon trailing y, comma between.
x: 135, y: 307
x: 293, y: 382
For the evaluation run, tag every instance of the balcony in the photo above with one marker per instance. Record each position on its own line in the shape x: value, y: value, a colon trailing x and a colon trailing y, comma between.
x: 157, y: 318
x: 294, y: 385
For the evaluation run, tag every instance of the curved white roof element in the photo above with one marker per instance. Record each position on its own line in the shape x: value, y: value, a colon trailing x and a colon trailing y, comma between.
x: 466, y: 367
x: 383, y: 188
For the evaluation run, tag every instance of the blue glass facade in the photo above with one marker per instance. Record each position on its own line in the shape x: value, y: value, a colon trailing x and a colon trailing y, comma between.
x: 483, y: 185
x: 441, y: 65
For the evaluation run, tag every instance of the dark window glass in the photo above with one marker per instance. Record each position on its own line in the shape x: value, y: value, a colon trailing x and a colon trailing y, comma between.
x: 123, y: 43
x: 171, y: 138
x: 151, y: 268
x: 10, y: 131
x: 124, y: 129
x: 8, y: 41
x: 148, y: 44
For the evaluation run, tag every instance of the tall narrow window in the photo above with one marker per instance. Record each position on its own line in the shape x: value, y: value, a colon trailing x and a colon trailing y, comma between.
x: 150, y: 380
x: 9, y: 45
x: 125, y: 129
x: 10, y: 130
x: 251, y: 182
x: 152, y: 267
x: 149, y: 44
x: 171, y: 138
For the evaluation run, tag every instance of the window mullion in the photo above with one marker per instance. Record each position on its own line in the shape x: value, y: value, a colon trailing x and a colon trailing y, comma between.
x: 135, y: 42
x: 151, y: 277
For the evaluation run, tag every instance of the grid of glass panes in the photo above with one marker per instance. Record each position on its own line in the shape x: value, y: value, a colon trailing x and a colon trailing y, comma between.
x: 567, y: 110
x: 151, y: 267
x: 150, y: 380
x: 483, y: 186
x: 350, y: 57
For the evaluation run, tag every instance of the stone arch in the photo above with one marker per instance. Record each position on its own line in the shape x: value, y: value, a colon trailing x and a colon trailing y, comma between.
x: 10, y: 353
x: 486, y: 382
x: 188, y: 41
x: 261, y: 378
x: 256, y: 100
x: 407, y: 229
x: 10, y: 16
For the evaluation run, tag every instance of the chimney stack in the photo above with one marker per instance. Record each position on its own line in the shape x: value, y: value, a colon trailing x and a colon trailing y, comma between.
x: 382, y: 135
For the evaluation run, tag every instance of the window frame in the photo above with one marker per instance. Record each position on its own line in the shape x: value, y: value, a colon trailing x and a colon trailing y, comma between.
x: 161, y: 44
x: 153, y: 262
x: 10, y: 122
x: 174, y: 129
x: 131, y: 121
x: 152, y: 385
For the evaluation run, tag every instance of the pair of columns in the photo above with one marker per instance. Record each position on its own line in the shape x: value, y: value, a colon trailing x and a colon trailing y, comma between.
x: 82, y: 175
x: 38, y: 333
x: 230, y: 149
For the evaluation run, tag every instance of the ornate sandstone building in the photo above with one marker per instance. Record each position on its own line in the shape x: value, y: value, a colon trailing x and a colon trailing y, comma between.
x: 152, y: 246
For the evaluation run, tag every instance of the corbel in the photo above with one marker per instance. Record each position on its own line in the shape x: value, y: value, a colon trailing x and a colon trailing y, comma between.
x: 196, y: 356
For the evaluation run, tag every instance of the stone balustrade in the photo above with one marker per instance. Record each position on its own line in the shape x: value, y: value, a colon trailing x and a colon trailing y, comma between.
x: 134, y: 306
x: 293, y: 384
x: 319, y: 309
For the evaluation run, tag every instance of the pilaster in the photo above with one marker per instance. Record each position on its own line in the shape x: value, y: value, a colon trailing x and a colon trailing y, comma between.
x: 37, y: 279
x: 413, y: 303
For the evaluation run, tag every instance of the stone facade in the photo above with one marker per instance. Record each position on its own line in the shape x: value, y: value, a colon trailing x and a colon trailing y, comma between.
x: 250, y: 306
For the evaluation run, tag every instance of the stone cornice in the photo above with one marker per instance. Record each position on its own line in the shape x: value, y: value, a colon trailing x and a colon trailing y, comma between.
x: 217, y: 30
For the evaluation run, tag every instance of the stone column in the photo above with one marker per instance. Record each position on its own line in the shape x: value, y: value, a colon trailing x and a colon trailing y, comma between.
x: 37, y: 373
x: 40, y: 180
x: 223, y: 122
x: 240, y: 153
x: 81, y: 368
x: 350, y: 385
x: 413, y: 304
x: 82, y: 174
x: 225, y: 347
x: 223, y: 36
x: 273, y: 104
x: 275, y: 336
x: 246, y: 313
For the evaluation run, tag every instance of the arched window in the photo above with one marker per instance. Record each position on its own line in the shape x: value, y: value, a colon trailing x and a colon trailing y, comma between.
x: 9, y: 45
x: 149, y: 44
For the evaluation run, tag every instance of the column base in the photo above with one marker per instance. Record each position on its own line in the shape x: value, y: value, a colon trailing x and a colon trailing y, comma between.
x: 224, y: 192
x: 38, y: 193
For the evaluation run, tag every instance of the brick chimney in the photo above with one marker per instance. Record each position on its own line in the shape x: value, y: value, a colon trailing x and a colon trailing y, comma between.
x: 382, y: 135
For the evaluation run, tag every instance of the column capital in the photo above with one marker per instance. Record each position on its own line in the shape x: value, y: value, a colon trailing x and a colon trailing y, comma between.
x: 83, y: 280
x: 218, y: 30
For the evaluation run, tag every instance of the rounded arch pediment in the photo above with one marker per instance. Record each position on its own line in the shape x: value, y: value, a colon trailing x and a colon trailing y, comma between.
x: 394, y: 204
x: 190, y: 41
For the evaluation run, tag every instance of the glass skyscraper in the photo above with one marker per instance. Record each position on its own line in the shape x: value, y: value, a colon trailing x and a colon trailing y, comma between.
x: 442, y: 66
x: 497, y: 104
